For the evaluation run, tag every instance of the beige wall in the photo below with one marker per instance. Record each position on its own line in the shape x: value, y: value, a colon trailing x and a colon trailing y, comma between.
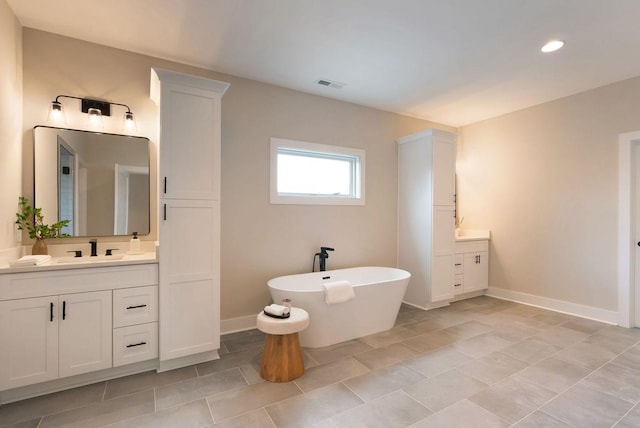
x: 259, y: 240
x: 10, y: 123
x: 544, y: 180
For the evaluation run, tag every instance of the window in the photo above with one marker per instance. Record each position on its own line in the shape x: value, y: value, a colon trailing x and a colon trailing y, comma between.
x: 308, y: 173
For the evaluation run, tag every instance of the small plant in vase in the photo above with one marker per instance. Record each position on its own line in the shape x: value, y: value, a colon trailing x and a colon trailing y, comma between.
x: 32, y: 220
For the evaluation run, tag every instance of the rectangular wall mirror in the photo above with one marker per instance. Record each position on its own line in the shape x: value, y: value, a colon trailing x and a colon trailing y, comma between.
x: 99, y: 182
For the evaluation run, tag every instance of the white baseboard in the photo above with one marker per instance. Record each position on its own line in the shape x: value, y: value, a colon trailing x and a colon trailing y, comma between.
x: 233, y: 325
x: 428, y: 306
x: 583, y: 311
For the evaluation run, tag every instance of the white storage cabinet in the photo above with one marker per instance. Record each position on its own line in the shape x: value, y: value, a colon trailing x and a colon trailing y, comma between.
x: 189, y: 152
x: 426, y: 215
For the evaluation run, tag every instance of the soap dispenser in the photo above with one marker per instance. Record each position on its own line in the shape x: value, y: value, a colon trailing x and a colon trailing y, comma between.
x: 135, y: 245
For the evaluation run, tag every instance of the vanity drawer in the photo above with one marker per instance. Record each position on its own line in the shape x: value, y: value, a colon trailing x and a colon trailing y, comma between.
x: 132, y: 306
x: 458, y: 284
x: 458, y: 266
x: 135, y: 343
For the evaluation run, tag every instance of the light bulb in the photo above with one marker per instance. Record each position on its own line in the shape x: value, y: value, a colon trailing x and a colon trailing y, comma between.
x: 95, y: 117
x: 129, y: 122
x: 552, y: 46
x: 56, y: 113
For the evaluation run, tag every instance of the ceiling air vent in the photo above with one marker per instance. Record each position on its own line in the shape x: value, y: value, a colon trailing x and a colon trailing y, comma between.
x: 330, y: 84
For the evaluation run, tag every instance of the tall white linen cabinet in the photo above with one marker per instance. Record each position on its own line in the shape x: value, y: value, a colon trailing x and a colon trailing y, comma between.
x: 189, y: 211
x: 426, y: 215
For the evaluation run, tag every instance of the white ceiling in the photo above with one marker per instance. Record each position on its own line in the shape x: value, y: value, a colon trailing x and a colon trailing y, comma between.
x: 450, y: 61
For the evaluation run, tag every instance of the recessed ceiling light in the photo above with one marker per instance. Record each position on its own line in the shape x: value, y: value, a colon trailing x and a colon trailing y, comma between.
x: 552, y: 46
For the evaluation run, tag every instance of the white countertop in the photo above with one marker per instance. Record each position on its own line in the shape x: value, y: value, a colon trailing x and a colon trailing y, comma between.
x: 473, y: 235
x: 66, y: 263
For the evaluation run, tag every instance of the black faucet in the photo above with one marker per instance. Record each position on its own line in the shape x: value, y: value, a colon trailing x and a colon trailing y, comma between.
x: 323, y: 256
x: 94, y: 247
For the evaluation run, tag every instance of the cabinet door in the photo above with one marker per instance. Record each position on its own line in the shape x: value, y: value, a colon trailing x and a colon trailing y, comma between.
x: 476, y: 271
x: 189, y: 278
x: 444, y: 172
x: 85, y: 332
x: 442, y: 266
x: 29, y: 341
x: 189, y: 142
x: 442, y: 281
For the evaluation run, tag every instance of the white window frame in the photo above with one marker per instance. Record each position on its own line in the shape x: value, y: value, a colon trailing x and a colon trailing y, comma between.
x: 283, y: 198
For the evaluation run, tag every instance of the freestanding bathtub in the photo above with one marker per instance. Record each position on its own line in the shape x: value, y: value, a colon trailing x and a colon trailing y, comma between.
x: 378, y: 294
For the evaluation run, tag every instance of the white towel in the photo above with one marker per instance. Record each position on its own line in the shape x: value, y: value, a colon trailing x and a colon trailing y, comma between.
x: 277, y: 310
x: 30, y: 261
x: 338, y: 292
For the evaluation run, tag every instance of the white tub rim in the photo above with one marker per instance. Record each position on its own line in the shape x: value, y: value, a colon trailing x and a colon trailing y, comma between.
x: 402, y: 274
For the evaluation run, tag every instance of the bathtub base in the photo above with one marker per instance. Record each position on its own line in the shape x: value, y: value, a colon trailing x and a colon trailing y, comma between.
x: 281, y: 358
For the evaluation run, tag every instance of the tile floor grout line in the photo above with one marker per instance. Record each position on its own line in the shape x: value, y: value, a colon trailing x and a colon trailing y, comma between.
x: 210, y: 410
x: 539, y: 408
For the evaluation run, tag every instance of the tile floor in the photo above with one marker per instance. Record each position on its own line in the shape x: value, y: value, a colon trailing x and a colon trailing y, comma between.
x: 481, y: 362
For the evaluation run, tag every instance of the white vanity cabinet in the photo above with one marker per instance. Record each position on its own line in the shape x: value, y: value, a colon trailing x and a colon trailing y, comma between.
x: 426, y: 215
x: 29, y: 338
x: 59, y: 323
x: 84, y: 332
x: 56, y: 336
x: 135, y: 325
x: 471, y: 266
x: 189, y: 227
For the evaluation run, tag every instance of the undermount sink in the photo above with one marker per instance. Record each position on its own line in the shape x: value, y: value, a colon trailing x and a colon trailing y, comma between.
x: 88, y: 259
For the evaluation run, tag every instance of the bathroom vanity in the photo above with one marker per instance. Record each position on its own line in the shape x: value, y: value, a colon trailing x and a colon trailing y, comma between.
x: 471, y: 267
x: 74, y: 322
x: 61, y: 321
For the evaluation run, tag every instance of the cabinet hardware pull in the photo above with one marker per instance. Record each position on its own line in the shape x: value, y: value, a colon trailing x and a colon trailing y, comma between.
x: 51, y: 312
x: 458, y: 264
x: 136, y: 344
x: 64, y: 309
x: 165, y: 185
x: 164, y: 215
x: 137, y: 306
x: 457, y: 285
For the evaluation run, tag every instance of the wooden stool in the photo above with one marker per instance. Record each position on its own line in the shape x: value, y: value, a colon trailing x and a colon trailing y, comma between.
x: 282, y: 358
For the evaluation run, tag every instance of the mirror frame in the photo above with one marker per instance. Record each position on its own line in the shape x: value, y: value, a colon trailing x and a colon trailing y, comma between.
x: 57, y: 185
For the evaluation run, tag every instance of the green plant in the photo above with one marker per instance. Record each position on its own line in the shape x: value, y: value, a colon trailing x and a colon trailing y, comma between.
x: 32, y: 220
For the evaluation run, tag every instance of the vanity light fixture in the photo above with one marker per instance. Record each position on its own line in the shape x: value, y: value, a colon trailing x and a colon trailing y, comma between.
x: 96, y: 109
x: 552, y: 46
x: 95, y: 117
x: 56, y: 113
